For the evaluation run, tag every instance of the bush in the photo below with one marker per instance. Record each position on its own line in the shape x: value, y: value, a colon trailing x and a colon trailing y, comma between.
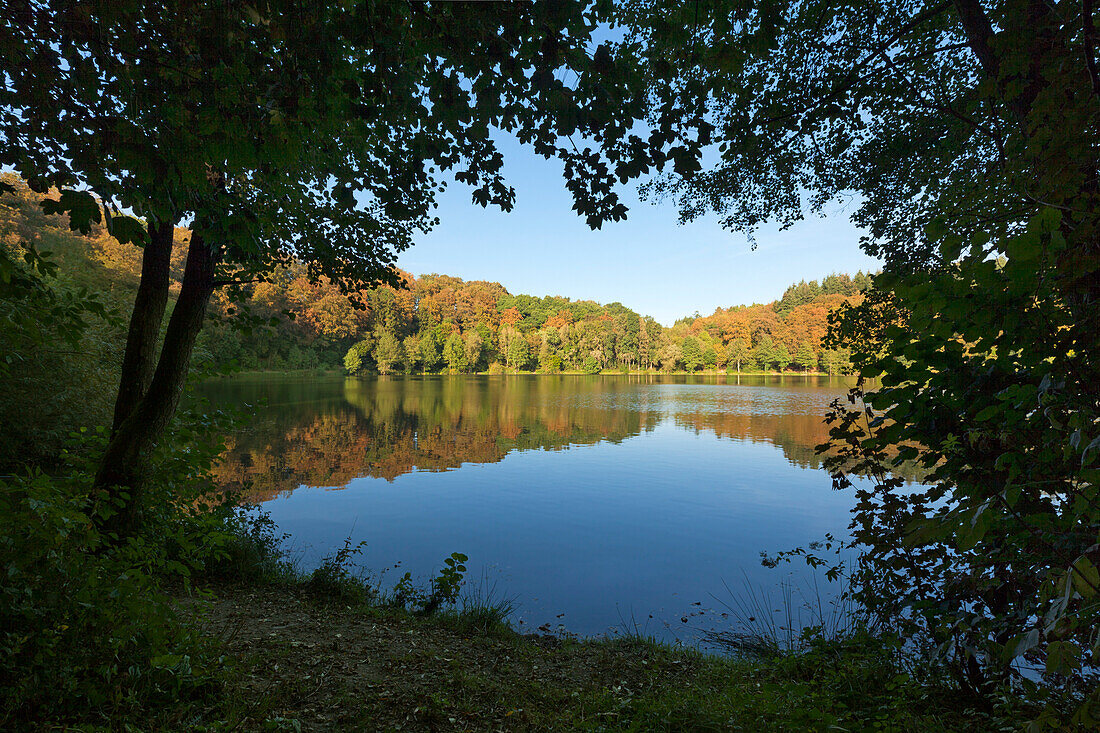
x: 333, y: 579
x: 251, y: 550
x: 89, y: 635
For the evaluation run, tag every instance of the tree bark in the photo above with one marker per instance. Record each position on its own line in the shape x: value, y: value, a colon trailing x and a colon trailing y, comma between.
x: 149, y: 304
x: 125, y: 465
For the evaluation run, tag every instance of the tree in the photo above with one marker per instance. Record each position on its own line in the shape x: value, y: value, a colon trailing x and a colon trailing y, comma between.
x: 691, y: 353
x: 430, y: 355
x: 320, y: 139
x: 669, y: 355
x: 411, y: 347
x: 764, y: 353
x: 388, y: 352
x: 710, y: 356
x: 796, y: 295
x: 549, y: 360
x: 511, y: 316
x: 357, y: 357
x: 473, y: 344
x: 782, y: 357
x: 806, y: 358
x: 969, y: 131
x: 836, y: 361
x: 454, y: 353
x: 738, y: 352
x: 518, y: 353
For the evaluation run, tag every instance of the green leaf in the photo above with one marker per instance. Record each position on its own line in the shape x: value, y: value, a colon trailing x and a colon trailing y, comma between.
x: 987, y: 413
x: 1063, y: 657
x: 126, y: 229
x: 1025, y: 247
x: 1086, y: 578
x: 1047, y: 220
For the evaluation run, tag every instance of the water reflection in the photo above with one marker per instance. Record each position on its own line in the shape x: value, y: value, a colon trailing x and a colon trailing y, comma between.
x: 330, y: 431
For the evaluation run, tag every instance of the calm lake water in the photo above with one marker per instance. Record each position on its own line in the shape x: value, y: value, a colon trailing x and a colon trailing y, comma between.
x: 593, y: 500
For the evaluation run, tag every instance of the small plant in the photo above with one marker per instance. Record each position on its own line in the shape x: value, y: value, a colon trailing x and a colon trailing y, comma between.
x: 803, y: 614
x: 406, y: 594
x: 333, y: 579
x: 446, y: 585
x: 443, y: 590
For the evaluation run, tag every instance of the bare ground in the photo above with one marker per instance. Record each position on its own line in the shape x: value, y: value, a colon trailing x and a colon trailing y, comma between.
x: 332, y: 667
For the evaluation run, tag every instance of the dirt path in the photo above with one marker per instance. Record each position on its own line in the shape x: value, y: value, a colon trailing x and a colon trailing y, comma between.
x: 335, y: 668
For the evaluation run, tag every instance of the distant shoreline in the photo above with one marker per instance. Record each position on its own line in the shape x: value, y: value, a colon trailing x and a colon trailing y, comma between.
x: 330, y: 372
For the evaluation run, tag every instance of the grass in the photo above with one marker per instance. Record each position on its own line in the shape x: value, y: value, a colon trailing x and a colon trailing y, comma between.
x: 765, y: 625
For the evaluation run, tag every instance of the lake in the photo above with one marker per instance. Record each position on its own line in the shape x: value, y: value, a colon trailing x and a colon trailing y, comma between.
x: 598, y: 502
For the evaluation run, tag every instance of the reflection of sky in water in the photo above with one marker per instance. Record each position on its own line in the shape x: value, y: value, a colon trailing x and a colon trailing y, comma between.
x: 606, y: 531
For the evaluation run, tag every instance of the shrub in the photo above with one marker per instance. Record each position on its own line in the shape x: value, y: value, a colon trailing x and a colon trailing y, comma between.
x: 88, y: 632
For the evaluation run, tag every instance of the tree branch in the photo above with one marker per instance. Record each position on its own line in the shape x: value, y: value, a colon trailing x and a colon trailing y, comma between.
x: 853, y: 74
x: 979, y: 32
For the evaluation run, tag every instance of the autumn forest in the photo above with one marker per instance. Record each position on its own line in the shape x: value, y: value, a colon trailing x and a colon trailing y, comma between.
x: 437, y: 323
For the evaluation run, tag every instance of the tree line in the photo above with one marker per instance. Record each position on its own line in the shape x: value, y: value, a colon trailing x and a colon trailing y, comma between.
x: 438, y: 323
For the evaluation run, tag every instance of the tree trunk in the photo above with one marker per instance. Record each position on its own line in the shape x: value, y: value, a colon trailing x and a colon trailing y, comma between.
x: 124, y: 468
x: 141, y: 342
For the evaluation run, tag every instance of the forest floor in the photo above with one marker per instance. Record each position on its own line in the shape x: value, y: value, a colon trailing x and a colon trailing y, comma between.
x: 299, y: 664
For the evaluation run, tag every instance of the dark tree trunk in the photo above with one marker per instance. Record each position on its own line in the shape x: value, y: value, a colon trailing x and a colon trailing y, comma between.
x: 124, y: 468
x: 141, y: 342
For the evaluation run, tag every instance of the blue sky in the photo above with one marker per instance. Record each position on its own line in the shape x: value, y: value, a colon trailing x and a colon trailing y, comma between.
x: 649, y: 262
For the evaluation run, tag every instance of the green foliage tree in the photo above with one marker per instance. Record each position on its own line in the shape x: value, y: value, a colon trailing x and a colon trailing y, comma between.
x: 519, y: 353
x: 782, y: 357
x: 358, y: 356
x: 806, y: 358
x: 710, y: 357
x: 454, y: 353
x: 411, y: 347
x: 691, y: 353
x: 764, y: 353
x: 388, y: 354
x: 796, y: 295
x: 969, y: 131
x: 738, y: 353
x: 430, y: 354
x: 836, y: 361
x: 546, y: 355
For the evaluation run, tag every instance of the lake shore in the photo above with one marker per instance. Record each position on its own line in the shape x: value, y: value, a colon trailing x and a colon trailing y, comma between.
x: 302, y: 663
x: 326, y: 371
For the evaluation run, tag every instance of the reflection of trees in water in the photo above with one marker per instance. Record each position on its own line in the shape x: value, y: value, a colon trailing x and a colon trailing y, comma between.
x: 328, y: 433
x: 385, y: 428
x: 797, y: 435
